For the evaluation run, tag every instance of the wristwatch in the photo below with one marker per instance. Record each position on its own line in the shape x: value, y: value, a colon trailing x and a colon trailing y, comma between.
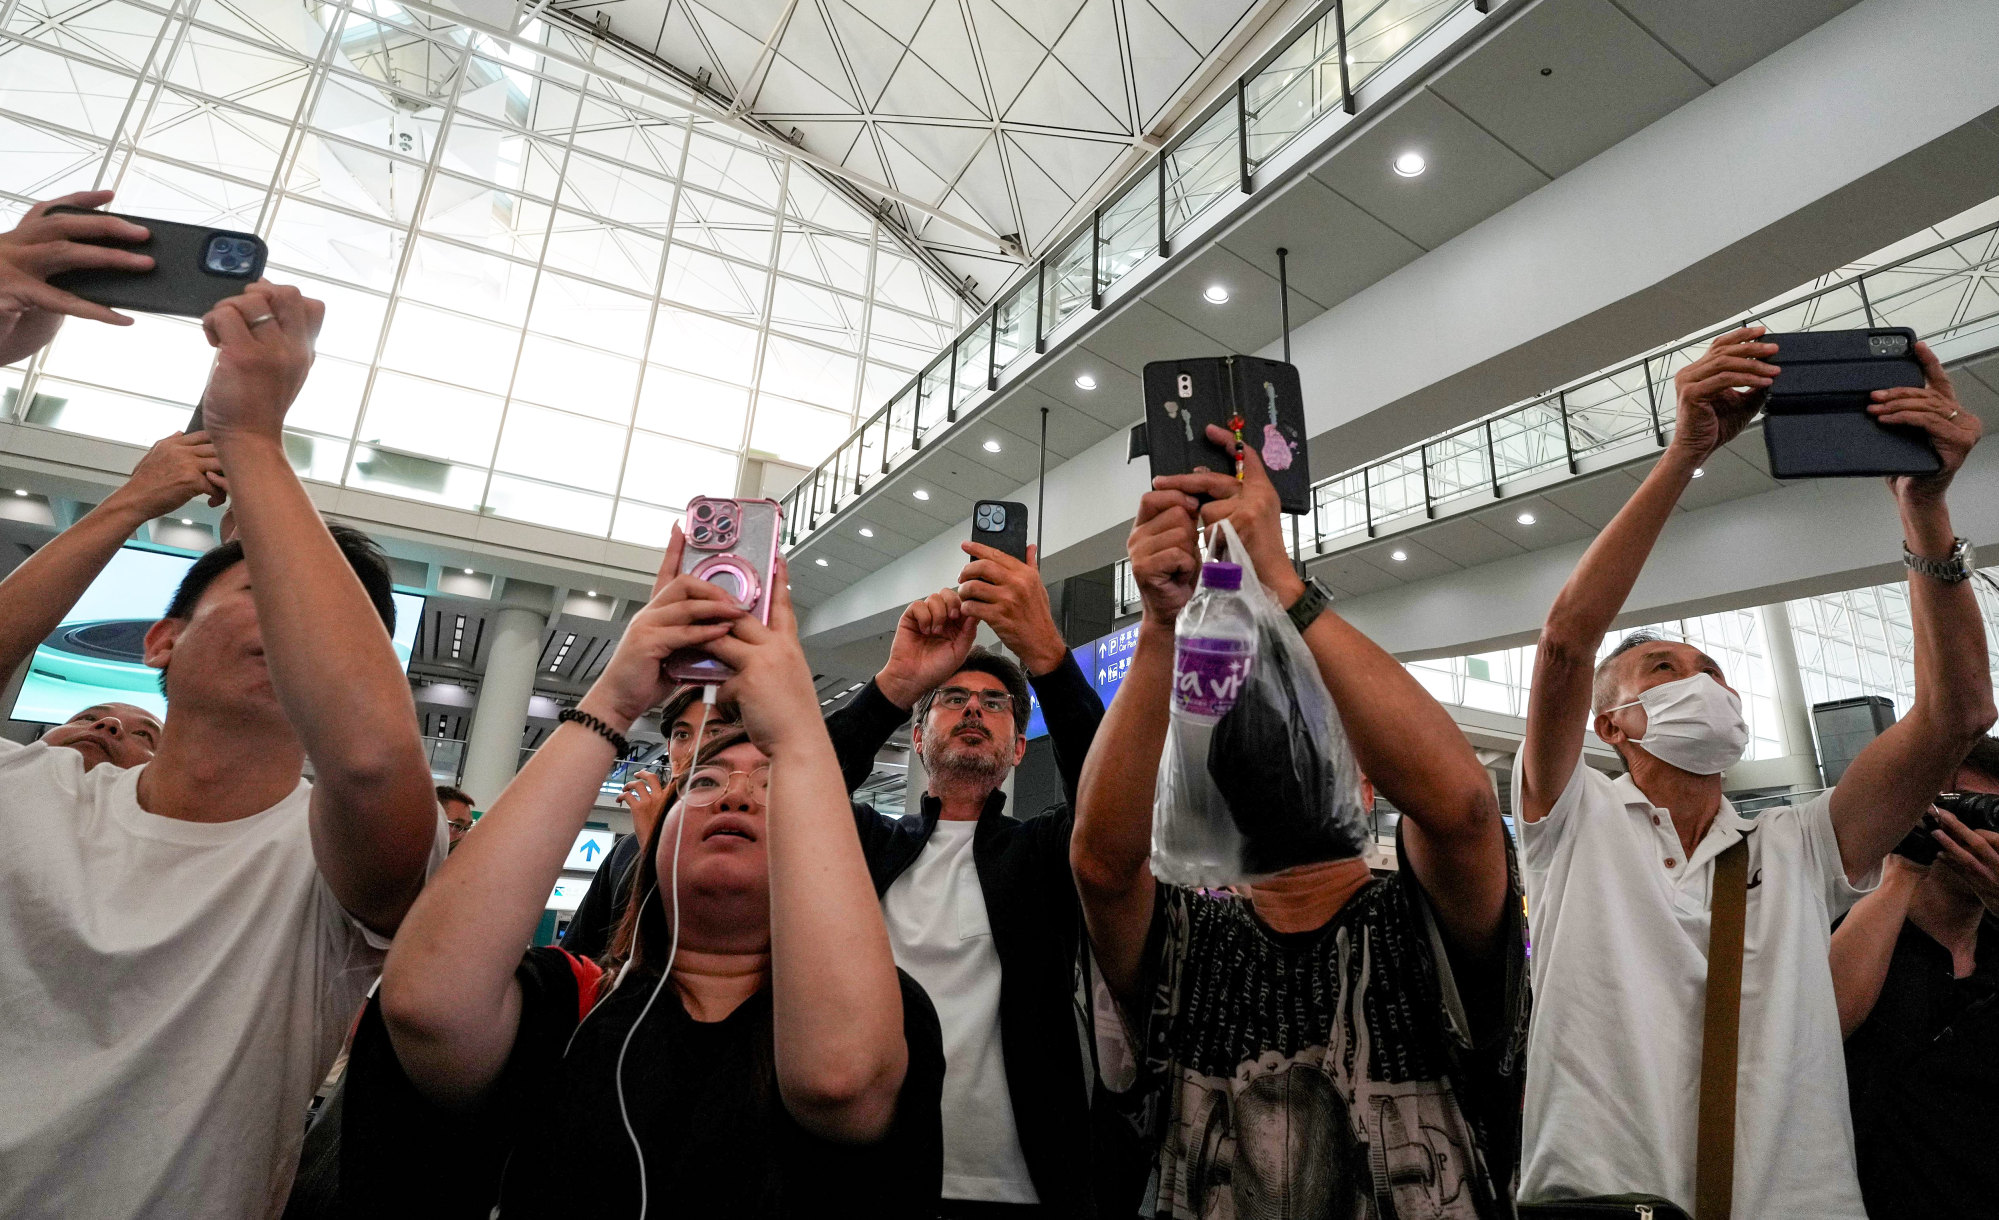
x: 1957, y: 569
x: 1310, y: 604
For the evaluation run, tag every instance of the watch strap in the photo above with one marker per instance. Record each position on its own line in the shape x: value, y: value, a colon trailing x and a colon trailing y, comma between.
x: 1954, y: 570
x: 1310, y: 604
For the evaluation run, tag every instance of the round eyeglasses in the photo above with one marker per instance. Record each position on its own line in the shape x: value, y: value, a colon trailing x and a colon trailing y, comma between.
x: 705, y: 785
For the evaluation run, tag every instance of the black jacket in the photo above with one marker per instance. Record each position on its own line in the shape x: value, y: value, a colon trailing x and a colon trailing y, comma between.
x: 1037, y: 926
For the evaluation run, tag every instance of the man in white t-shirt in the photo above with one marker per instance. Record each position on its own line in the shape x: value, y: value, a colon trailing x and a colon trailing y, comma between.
x: 183, y: 943
x: 1619, y: 873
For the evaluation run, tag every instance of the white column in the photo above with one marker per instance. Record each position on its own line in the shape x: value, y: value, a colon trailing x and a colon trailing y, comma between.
x: 1794, y: 709
x: 493, y: 747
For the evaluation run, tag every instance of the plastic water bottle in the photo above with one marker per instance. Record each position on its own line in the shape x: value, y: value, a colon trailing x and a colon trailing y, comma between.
x: 1214, y: 650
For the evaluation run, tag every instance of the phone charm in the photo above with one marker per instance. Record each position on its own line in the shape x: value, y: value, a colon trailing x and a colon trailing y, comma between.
x: 1236, y: 425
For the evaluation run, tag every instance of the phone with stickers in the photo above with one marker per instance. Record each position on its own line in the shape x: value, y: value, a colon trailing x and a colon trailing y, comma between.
x: 1257, y: 398
x: 731, y: 544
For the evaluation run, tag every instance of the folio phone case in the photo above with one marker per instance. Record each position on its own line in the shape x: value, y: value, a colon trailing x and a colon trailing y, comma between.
x: 1816, y: 423
x: 1001, y: 525
x: 1182, y: 397
x: 182, y: 280
x: 731, y: 544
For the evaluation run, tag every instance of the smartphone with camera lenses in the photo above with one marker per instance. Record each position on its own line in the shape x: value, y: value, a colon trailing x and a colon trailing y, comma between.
x: 731, y: 544
x: 1001, y: 525
x: 194, y: 268
x: 1815, y: 422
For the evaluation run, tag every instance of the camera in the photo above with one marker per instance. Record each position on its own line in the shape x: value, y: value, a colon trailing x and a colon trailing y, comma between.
x: 1977, y: 810
x: 226, y: 255
x: 733, y: 545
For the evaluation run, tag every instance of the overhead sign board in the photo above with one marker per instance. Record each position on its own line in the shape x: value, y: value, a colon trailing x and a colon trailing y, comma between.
x: 589, y: 850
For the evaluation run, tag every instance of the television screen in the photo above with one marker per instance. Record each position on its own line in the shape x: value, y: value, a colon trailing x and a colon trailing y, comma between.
x: 97, y: 653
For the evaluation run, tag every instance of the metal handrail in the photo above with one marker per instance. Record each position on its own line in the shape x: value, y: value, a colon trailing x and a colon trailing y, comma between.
x: 1551, y: 432
x: 1549, y: 429
x: 1215, y: 156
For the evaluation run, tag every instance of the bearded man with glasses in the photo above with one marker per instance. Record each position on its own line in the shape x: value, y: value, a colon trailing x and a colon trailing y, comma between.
x: 980, y: 906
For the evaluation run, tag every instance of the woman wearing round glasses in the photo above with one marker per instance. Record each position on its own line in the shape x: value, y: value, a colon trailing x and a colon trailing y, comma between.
x: 746, y: 1042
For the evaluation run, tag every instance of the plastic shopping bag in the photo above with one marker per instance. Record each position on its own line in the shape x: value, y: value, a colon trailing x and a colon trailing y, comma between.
x: 1257, y: 776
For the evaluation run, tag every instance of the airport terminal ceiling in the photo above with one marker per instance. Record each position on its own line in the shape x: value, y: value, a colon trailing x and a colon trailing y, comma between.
x: 555, y: 294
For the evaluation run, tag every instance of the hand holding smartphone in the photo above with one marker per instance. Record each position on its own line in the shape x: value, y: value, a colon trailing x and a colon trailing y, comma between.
x: 194, y: 267
x: 731, y: 544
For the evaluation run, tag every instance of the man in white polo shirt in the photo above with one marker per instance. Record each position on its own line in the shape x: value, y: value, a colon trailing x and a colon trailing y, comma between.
x: 1619, y: 873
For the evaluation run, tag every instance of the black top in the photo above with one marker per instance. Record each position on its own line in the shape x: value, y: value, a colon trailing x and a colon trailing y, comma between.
x: 1082, y: 1157
x: 702, y: 1098
x: 603, y: 905
x: 1366, y: 1067
x: 1923, y: 1077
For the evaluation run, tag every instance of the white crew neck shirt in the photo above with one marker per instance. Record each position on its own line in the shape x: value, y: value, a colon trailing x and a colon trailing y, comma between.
x: 171, y: 993
x: 937, y: 925
x: 1618, y: 920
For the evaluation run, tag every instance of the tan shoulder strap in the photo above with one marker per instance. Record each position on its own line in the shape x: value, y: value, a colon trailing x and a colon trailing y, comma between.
x: 1714, y: 1166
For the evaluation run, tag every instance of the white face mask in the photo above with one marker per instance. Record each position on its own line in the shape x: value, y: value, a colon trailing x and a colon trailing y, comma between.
x: 1694, y: 724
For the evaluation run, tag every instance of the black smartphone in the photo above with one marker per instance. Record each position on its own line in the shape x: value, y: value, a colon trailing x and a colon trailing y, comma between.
x: 1816, y: 423
x: 194, y: 267
x: 1001, y: 525
x: 1182, y: 397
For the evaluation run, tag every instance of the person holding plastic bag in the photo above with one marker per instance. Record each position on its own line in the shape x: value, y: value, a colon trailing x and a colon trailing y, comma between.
x: 1343, y: 1043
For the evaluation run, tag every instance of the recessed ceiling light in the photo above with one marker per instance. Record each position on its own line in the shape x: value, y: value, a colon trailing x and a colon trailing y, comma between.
x: 992, y: 446
x: 1398, y: 556
x: 20, y: 491
x: 1085, y: 382
x: 1410, y: 164
x: 591, y: 593
x: 1699, y: 471
x: 866, y: 532
x: 820, y: 562
x: 920, y: 494
x: 468, y: 571
x: 187, y: 520
x: 1525, y: 518
x: 1216, y: 294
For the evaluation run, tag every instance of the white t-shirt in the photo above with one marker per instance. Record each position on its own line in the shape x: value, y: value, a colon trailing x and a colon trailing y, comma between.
x: 1619, y: 926
x: 936, y: 916
x: 171, y: 993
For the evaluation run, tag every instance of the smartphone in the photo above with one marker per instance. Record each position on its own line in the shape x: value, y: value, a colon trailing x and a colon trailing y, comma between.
x: 1816, y: 423
x: 194, y: 267
x: 1001, y: 525
x: 1182, y: 397
x: 731, y: 544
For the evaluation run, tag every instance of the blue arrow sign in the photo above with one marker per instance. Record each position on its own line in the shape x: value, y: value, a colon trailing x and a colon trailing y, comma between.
x: 590, y: 849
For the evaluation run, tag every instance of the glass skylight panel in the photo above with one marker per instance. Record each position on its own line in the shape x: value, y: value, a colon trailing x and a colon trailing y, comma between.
x: 549, y: 247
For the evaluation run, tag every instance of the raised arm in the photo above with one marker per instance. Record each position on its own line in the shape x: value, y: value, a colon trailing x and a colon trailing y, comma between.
x: 835, y: 998
x: 1007, y: 595
x: 1717, y: 396
x: 1864, y: 941
x: 1402, y: 738
x: 449, y: 996
x: 41, y: 591
x: 1889, y: 785
x: 931, y: 640
x: 374, y: 806
x: 1111, y: 845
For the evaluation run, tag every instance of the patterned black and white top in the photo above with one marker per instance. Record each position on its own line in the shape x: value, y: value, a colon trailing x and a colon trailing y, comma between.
x: 1359, y: 1070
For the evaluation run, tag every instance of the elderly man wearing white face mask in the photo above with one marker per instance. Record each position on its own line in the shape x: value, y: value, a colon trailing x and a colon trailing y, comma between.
x: 1620, y: 874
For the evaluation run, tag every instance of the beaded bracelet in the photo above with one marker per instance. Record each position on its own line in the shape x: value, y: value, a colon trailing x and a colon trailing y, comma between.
x: 573, y: 715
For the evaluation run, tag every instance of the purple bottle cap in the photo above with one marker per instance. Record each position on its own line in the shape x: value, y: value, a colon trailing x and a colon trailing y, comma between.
x: 1220, y: 574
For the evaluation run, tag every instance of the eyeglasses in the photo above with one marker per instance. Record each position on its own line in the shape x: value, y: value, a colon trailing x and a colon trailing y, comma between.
x: 706, y: 785
x: 460, y: 825
x: 954, y: 699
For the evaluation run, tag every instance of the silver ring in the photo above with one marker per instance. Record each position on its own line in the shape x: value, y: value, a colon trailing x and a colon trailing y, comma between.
x: 259, y: 320
x: 1952, y: 415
